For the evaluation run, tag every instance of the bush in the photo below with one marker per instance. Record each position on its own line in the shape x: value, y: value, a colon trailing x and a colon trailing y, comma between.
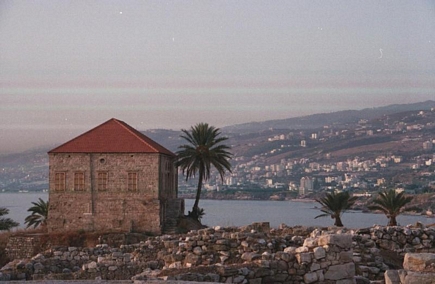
x: 4, y: 237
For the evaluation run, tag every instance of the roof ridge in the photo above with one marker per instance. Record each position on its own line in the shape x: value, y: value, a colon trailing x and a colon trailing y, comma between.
x: 81, y: 135
x: 112, y: 136
x: 135, y: 132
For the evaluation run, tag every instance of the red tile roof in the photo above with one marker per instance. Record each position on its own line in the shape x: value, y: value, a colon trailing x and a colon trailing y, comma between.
x: 113, y: 136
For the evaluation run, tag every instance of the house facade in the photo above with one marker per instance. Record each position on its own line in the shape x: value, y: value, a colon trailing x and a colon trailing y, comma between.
x: 113, y: 178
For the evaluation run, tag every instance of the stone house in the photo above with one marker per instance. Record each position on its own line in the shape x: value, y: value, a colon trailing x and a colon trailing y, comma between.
x: 113, y: 178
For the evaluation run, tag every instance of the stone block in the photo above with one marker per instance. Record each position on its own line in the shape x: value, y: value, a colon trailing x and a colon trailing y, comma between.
x: 223, y: 242
x: 301, y: 249
x: 192, y: 259
x: 343, y: 241
x: 304, y: 257
x: 251, y: 256
x: 282, y: 265
x: 289, y: 250
x: 419, y: 262
x: 198, y: 251
x: 343, y: 271
x: 361, y: 280
x: 310, y: 242
x: 38, y: 266
x: 284, y: 256
x: 91, y: 265
x: 319, y: 253
x: 262, y: 272
x: 392, y: 277
x: 402, y: 275
x: 346, y: 256
x: 419, y: 278
x: 320, y: 275
x: 310, y: 277
x: 315, y: 266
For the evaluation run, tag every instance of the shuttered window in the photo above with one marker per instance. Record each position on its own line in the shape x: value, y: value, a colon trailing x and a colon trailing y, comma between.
x: 102, y: 181
x: 132, y: 181
x: 79, y: 181
x: 59, y: 181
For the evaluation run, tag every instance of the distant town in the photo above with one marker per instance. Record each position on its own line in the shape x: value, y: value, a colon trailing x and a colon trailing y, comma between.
x: 392, y: 150
x: 395, y: 150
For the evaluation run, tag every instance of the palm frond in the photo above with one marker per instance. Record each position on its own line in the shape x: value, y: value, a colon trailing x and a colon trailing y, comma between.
x: 39, y: 214
x: 322, y: 215
x: 390, y: 203
x: 335, y: 204
x: 6, y: 223
x: 204, y: 150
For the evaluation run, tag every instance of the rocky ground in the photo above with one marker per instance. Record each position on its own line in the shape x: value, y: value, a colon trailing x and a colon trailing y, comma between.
x: 252, y: 254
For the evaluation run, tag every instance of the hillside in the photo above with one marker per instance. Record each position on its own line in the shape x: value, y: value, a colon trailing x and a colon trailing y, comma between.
x: 338, y: 119
x: 350, y: 135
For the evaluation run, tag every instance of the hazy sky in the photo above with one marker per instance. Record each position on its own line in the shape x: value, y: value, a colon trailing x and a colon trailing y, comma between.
x: 67, y: 66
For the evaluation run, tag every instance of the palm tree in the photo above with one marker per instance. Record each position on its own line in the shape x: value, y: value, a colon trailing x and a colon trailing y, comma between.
x: 204, y: 149
x: 335, y: 204
x: 6, y: 223
x: 391, y: 203
x: 39, y: 214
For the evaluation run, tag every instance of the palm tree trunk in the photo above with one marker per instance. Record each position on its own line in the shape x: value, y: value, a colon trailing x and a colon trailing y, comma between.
x: 195, y: 208
x: 392, y: 221
x: 338, y: 222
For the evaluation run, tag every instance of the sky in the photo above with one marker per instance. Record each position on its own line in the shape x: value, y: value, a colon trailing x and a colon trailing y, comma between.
x: 68, y: 66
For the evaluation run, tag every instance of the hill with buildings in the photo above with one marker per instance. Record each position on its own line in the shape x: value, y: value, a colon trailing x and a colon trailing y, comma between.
x: 362, y: 153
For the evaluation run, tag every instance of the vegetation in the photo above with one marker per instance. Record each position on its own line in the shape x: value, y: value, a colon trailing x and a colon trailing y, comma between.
x: 6, y: 223
x: 335, y: 204
x: 39, y: 214
x: 4, y: 237
x: 204, y: 149
x: 391, y: 203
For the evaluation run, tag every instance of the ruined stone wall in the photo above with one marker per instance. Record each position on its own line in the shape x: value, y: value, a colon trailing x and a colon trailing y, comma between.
x: 219, y: 255
x: 22, y: 246
x: 252, y: 254
x: 115, y: 208
x: 419, y: 238
x: 419, y: 268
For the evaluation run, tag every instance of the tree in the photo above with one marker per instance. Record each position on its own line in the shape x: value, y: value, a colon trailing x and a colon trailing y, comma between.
x: 6, y: 223
x: 391, y: 203
x: 204, y: 149
x: 335, y: 204
x: 39, y: 214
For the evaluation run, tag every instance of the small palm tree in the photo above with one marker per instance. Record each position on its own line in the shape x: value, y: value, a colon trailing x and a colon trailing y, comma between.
x: 335, y: 204
x: 204, y: 149
x: 391, y: 203
x: 39, y: 214
x: 6, y: 223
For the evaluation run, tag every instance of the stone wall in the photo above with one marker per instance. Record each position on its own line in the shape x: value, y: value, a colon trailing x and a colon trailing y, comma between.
x: 229, y: 255
x: 369, y: 244
x: 116, y: 208
x: 23, y: 246
x: 251, y: 254
x: 419, y: 268
x: 416, y: 238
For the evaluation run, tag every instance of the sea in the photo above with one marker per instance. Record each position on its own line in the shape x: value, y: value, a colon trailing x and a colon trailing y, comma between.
x: 226, y: 213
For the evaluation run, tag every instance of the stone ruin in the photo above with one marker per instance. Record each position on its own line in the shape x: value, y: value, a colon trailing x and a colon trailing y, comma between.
x: 252, y: 254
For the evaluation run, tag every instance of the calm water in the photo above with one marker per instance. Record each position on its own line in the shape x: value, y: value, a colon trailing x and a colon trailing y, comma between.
x: 238, y: 212
x: 241, y: 212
